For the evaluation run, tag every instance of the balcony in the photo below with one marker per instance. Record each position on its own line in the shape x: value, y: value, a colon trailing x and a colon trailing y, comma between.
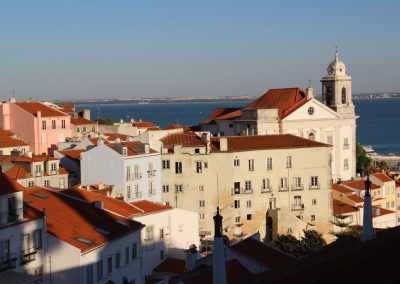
x: 298, y: 187
x: 314, y: 186
x: 137, y: 176
x: 266, y: 189
x: 138, y: 194
x: 242, y: 191
x: 28, y: 255
x: 297, y: 207
x: 151, y: 174
x: 283, y: 189
x: 11, y: 216
x: 8, y: 261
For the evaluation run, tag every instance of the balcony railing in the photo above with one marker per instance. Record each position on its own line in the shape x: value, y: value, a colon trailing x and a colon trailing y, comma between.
x: 8, y: 261
x: 285, y: 188
x: 11, y: 216
x: 242, y: 191
x: 297, y: 207
x: 314, y: 186
x: 28, y: 255
x: 266, y: 189
x: 297, y: 187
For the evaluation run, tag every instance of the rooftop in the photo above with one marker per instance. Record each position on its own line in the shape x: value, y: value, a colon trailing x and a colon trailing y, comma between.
x: 171, y: 265
x: 9, y: 139
x: 360, y: 184
x: 34, y: 107
x: 8, y: 185
x: 382, y: 177
x: 186, y: 139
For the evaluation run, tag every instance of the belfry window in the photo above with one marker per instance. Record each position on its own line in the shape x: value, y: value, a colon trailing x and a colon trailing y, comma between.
x: 343, y: 95
x: 311, y: 136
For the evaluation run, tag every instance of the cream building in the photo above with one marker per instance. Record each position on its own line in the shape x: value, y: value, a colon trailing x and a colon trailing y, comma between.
x: 245, y: 176
x: 297, y: 112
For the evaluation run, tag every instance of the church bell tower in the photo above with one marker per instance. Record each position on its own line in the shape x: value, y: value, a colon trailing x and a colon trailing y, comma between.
x: 336, y: 88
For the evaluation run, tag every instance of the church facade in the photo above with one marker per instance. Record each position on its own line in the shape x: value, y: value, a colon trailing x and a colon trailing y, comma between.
x: 295, y: 111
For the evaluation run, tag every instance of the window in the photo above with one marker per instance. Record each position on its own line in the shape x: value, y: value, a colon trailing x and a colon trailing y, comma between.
x: 265, y: 183
x: 346, y: 143
x: 201, y: 216
x: 312, y: 217
x: 178, y: 188
x: 205, y: 165
x: 199, y: 168
x: 43, y: 124
x: 126, y: 255
x: 38, y: 169
x: 128, y: 191
x: 138, y: 194
x: 99, y: 270
x: 297, y: 182
x: 236, y: 162
x: 178, y: 167
x: 201, y: 187
x: 53, y: 124
x: 46, y: 182
x: 202, y: 203
x: 37, y: 239
x: 237, y: 219
x: 89, y: 274
x: 63, y: 123
x: 329, y: 139
x: 197, y: 151
x: 118, y: 260
x: 248, y: 217
x: 283, y: 183
x: 109, y: 265
x: 251, y: 165
x: 392, y: 204
x: 31, y: 183
x: 248, y: 203
x: 124, y: 151
x: 236, y: 204
x: 150, y: 170
x: 288, y: 161
x: 311, y: 136
x: 310, y: 110
x: 151, y: 188
x: 149, y: 233
x: 247, y: 185
x: 165, y: 164
x: 161, y: 233
x: 230, y: 126
x: 134, y: 251
x: 343, y: 95
x: 314, y: 202
x: 346, y: 164
x: 269, y: 164
x: 53, y: 168
x: 314, y: 182
x: 136, y: 172
x: 165, y: 188
x: 128, y: 173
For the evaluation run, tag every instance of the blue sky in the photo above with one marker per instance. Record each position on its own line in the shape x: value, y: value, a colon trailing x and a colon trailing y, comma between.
x: 123, y: 49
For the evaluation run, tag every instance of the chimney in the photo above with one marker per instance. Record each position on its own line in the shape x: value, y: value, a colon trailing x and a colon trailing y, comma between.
x: 310, y: 93
x: 219, y: 271
x: 86, y: 113
x: 191, y: 258
x: 368, y: 232
x: 223, y: 144
x: 98, y: 204
x: 100, y: 141
x: 29, y: 154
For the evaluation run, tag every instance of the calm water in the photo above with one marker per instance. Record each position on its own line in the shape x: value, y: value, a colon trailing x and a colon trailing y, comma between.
x: 375, y: 127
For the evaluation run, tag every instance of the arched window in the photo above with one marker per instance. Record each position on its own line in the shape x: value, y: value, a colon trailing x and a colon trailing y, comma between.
x: 311, y: 136
x: 343, y: 95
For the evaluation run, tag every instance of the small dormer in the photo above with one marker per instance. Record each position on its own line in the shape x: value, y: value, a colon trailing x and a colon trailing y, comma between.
x: 117, y: 140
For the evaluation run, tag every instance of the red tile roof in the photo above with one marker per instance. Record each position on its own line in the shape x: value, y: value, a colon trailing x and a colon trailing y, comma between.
x: 177, y: 126
x: 382, y: 211
x: 355, y: 198
x: 8, y: 185
x: 67, y: 107
x: 171, y: 265
x: 9, y: 139
x: 221, y: 114
x: 148, y: 207
x: 342, y: 208
x: 46, y: 111
x: 132, y: 147
x: 69, y: 219
x: 72, y: 154
x: 26, y: 159
x: 186, y: 139
x: 258, y: 142
x: 340, y: 188
x: 144, y: 124
x: 19, y: 172
x: 281, y: 99
x: 382, y: 177
x: 112, y: 136
x: 360, y: 184
x: 81, y: 121
x: 269, y: 256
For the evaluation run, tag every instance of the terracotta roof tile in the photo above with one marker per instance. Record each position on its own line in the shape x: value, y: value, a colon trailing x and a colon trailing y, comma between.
x: 360, y: 184
x: 171, y: 265
x: 144, y: 124
x: 46, y: 111
x: 382, y: 177
x: 355, y: 198
x: 281, y: 99
x: 177, y: 126
x: 9, y: 139
x: 17, y: 172
x: 225, y: 113
x: 67, y: 107
x: 8, y: 185
x: 148, y: 207
x: 263, y: 253
x: 258, y: 142
x: 81, y: 121
x: 186, y: 139
x: 72, y: 154
x: 342, y: 208
x: 132, y: 147
x: 69, y: 219
x: 340, y: 188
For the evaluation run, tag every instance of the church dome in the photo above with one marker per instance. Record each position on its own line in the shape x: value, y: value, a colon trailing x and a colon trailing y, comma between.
x: 336, y: 67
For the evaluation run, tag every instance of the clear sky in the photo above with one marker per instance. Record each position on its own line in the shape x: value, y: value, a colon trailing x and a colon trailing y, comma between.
x: 123, y: 49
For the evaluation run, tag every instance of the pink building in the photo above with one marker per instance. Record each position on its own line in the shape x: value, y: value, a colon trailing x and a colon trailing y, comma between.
x: 42, y: 127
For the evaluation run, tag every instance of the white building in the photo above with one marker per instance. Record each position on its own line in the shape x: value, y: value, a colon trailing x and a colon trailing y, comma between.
x: 22, y: 241
x: 86, y: 243
x: 297, y: 112
x: 168, y: 231
x: 132, y: 167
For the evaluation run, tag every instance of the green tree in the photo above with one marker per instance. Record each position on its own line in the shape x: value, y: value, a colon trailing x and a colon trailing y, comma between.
x: 312, y: 241
x: 289, y: 244
x: 362, y: 161
x: 107, y: 121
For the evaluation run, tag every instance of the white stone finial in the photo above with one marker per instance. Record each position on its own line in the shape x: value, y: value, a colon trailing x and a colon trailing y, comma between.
x: 336, y: 54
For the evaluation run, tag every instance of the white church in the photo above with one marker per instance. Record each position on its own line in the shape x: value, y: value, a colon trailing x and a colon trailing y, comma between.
x: 297, y: 112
